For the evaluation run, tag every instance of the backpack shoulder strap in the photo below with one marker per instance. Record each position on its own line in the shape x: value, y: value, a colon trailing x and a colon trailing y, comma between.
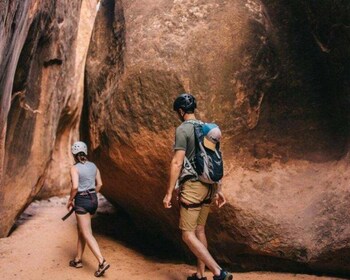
x: 194, y: 122
x: 197, y: 130
x: 197, y: 125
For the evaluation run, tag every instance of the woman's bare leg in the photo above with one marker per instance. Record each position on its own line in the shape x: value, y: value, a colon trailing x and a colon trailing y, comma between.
x: 80, y: 244
x: 84, y: 223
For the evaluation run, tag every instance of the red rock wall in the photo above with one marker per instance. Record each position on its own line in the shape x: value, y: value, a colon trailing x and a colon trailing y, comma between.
x: 41, y: 98
x: 57, y: 181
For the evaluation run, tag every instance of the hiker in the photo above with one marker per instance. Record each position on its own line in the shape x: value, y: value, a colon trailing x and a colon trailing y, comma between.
x: 86, y: 182
x: 194, y: 196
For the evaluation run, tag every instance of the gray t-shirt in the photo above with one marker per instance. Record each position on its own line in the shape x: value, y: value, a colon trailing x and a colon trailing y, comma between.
x: 184, y: 139
x: 87, y: 176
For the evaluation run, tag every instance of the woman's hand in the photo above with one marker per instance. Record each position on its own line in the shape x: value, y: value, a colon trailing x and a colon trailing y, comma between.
x: 70, y: 204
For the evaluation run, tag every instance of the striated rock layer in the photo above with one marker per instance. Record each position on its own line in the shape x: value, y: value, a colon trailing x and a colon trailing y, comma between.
x: 42, y: 58
x: 272, y: 74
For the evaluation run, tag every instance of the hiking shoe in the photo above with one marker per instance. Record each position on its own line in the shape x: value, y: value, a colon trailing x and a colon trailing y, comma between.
x: 76, y: 264
x: 195, y: 277
x: 224, y: 275
x: 102, y: 267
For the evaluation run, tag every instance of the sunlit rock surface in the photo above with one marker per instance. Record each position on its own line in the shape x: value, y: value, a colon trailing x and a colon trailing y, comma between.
x: 42, y: 58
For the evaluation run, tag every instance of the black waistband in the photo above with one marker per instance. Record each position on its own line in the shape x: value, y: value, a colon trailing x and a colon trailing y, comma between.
x: 195, y: 205
x: 87, y: 192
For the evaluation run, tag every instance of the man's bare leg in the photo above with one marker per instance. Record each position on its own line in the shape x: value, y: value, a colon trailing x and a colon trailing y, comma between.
x: 200, y: 233
x: 200, y: 251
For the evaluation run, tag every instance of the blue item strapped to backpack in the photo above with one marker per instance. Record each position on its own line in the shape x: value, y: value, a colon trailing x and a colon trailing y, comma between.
x: 207, y: 163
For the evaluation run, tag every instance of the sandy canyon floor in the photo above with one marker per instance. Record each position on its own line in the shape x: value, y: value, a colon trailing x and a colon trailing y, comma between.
x: 41, y: 246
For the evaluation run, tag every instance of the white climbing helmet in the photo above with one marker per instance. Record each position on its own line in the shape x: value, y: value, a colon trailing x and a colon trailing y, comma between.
x: 78, y: 147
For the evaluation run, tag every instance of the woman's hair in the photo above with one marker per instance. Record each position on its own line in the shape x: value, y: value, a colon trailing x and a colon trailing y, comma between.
x: 80, y: 157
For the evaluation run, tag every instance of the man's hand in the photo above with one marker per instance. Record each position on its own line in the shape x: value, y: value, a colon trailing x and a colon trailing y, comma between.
x: 220, y: 199
x: 70, y: 204
x: 167, y: 201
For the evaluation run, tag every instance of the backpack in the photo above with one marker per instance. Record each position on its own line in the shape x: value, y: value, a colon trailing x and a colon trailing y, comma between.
x: 207, y: 165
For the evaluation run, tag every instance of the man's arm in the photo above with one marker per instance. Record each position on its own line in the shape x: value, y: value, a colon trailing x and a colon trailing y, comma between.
x: 175, y: 169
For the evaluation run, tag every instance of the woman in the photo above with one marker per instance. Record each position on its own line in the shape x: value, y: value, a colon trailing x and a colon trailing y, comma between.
x: 86, y: 182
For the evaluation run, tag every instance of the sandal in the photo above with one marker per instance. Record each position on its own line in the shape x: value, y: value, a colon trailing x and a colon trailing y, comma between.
x: 195, y: 277
x: 102, y: 267
x: 76, y: 264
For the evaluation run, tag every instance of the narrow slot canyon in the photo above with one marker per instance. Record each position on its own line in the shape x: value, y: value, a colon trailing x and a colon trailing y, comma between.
x: 271, y: 73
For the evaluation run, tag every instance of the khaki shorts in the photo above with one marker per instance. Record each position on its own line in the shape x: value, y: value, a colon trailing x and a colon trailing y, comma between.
x: 194, y: 192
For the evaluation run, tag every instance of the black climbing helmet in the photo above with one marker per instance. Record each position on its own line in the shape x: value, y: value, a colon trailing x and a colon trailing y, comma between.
x: 186, y: 102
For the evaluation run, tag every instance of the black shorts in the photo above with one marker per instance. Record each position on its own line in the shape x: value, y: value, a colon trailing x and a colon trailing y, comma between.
x: 86, y: 203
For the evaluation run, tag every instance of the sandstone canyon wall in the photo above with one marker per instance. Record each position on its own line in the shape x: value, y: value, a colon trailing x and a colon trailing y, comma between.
x: 42, y: 58
x: 273, y: 75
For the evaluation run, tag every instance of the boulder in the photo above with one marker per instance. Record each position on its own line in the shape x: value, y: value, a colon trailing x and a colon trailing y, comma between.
x: 259, y: 70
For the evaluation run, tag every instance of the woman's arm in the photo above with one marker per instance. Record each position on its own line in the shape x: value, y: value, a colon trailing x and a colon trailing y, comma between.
x: 75, y: 181
x: 98, y: 181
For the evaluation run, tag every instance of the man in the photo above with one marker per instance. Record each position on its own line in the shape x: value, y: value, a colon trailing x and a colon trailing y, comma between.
x: 195, y: 196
